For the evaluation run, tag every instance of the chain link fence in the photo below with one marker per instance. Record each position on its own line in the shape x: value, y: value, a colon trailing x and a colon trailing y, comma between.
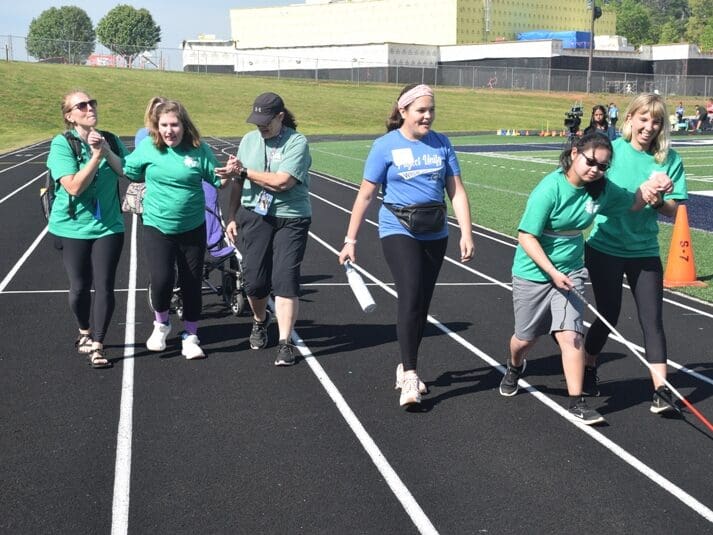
x: 363, y: 71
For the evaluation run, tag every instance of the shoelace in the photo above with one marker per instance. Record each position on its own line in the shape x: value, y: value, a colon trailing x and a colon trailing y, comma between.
x: 410, y: 384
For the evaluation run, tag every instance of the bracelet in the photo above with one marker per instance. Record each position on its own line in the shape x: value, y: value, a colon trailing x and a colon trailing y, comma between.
x: 657, y: 204
x: 349, y: 241
x: 243, y: 172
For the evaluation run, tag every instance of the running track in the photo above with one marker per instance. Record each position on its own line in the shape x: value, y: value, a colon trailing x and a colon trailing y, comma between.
x: 234, y: 445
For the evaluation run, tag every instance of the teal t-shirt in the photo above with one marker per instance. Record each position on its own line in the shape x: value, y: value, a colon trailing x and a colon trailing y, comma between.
x: 556, y: 213
x: 97, y: 212
x: 174, y: 201
x: 288, y: 153
x: 634, y: 234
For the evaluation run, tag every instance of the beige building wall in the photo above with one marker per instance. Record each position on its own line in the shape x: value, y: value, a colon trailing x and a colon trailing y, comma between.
x: 429, y: 22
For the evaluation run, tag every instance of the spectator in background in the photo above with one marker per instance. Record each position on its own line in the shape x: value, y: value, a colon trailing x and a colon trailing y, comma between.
x: 700, y: 119
x: 613, y: 113
x: 414, y: 167
x: 598, y: 123
x: 271, y: 198
x: 680, y: 112
x: 86, y: 218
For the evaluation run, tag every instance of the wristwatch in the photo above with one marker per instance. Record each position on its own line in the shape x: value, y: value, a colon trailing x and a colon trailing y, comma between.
x: 243, y: 172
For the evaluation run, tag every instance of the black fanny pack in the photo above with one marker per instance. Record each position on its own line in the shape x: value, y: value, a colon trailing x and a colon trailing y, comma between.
x: 420, y: 218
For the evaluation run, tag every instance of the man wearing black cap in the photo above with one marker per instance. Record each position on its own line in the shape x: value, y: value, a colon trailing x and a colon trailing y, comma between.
x: 271, y: 197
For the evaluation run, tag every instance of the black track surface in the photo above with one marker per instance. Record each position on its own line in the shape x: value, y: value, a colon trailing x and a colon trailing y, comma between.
x: 233, y: 444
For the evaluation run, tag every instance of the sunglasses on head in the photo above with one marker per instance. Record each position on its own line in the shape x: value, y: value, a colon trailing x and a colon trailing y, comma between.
x: 591, y: 162
x: 82, y: 106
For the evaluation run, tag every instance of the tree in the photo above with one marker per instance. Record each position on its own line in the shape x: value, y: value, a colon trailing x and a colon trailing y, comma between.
x: 699, y: 21
x: 61, y: 34
x: 128, y: 32
x: 633, y: 20
x: 672, y: 32
x: 706, y: 42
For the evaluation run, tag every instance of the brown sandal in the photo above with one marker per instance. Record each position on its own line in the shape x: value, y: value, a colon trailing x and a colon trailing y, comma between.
x: 98, y: 360
x: 83, y: 343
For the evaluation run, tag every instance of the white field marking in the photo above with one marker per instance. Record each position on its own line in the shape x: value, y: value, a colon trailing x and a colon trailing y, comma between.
x: 508, y: 286
x: 617, y: 450
x: 122, y: 467
x: 24, y: 162
x: 25, y: 256
x: 13, y: 193
x: 506, y: 156
x: 399, y: 489
x: 342, y: 156
x: 23, y: 149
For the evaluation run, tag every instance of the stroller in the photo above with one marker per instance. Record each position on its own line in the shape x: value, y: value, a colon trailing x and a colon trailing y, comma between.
x: 221, y: 257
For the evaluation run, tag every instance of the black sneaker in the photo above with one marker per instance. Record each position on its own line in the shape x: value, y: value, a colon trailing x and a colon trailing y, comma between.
x: 663, y: 401
x: 509, y: 386
x: 590, y: 387
x: 582, y: 413
x: 258, y: 336
x: 285, y: 354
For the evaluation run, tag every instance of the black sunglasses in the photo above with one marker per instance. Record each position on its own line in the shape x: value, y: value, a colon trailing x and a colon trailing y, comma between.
x: 591, y: 162
x: 82, y: 106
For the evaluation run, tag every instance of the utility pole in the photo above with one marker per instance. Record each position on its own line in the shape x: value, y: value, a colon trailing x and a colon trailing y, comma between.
x: 596, y: 13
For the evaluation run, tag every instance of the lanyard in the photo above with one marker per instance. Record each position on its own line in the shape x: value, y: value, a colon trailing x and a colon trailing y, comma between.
x: 273, y: 150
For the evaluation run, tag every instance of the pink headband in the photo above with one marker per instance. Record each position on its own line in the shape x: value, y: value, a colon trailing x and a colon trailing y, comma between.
x: 412, y: 94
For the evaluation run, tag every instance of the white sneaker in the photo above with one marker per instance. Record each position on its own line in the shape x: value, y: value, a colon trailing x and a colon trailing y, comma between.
x: 157, y: 340
x: 190, y: 348
x: 409, y: 392
x: 422, y: 388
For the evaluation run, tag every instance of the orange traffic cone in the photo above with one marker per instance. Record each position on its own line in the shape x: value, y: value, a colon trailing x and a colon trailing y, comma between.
x: 681, y: 266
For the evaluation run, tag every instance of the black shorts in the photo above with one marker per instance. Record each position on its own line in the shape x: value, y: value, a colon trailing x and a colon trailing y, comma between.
x: 272, y: 249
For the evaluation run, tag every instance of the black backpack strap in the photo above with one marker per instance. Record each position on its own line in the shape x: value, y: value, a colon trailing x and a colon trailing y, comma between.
x: 112, y: 140
x: 76, y: 145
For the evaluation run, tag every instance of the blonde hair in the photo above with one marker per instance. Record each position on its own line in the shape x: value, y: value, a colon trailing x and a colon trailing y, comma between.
x: 66, y: 108
x: 655, y: 105
x: 155, y: 101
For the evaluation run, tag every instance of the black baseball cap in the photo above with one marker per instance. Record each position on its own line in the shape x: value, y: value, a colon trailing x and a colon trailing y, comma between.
x: 265, y: 107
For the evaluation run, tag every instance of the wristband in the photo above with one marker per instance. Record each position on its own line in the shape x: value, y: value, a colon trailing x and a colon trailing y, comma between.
x: 243, y: 173
x: 349, y: 241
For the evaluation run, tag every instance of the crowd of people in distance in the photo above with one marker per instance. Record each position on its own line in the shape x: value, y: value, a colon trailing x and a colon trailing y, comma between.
x: 614, y: 181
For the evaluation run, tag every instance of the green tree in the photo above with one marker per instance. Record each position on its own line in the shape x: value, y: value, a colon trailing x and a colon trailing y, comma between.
x: 61, y: 34
x: 128, y: 32
x: 633, y: 21
x: 672, y: 32
x: 699, y: 21
x: 706, y: 42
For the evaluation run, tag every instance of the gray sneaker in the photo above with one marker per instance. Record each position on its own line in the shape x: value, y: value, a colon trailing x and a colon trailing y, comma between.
x: 582, y: 413
x: 509, y: 385
x: 285, y: 354
x: 258, y: 336
x: 663, y: 401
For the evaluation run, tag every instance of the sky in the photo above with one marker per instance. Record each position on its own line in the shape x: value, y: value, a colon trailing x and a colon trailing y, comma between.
x: 178, y: 19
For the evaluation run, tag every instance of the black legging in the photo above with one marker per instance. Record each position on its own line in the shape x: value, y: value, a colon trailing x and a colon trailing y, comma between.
x: 645, y: 277
x: 414, y: 265
x: 92, y: 262
x: 186, y: 251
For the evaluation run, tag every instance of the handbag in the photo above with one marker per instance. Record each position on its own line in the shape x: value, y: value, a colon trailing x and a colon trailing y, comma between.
x: 420, y: 218
x: 134, y: 198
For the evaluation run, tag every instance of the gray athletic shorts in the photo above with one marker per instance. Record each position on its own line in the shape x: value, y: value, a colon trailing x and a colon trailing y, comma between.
x: 541, y: 308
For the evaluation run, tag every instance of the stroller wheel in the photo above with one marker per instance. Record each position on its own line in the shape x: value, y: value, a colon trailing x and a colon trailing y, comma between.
x: 237, y: 304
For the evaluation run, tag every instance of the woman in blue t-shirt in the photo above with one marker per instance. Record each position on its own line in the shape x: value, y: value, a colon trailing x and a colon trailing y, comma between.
x: 413, y: 166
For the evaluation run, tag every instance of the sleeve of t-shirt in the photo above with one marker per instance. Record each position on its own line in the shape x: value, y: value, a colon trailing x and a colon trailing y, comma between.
x: 295, y: 157
x: 537, y: 210
x: 615, y: 200
x: 678, y: 176
x: 452, y: 165
x: 61, y: 160
x: 209, y: 162
x: 376, y: 165
x: 134, y: 164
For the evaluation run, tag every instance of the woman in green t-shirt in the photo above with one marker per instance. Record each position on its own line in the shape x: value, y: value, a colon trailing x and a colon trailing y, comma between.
x: 628, y: 243
x: 174, y: 165
x: 549, y: 260
x: 86, y: 218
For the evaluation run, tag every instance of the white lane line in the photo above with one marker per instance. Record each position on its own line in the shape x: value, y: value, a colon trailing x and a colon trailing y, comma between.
x: 23, y: 162
x: 617, y: 450
x: 122, y: 468
x: 402, y: 493
x: 25, y: 256
x: 13, y: 193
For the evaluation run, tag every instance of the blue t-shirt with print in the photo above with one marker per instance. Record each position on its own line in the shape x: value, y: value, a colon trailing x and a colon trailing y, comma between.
x: 410, y: 172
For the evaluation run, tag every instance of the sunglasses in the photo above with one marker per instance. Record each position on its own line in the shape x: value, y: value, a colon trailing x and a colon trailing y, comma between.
x: 82, y: 106
x: 591, y: 162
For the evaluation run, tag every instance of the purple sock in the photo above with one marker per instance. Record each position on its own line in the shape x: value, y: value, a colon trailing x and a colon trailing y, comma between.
x: 191, y: 327
x: 161, y: 317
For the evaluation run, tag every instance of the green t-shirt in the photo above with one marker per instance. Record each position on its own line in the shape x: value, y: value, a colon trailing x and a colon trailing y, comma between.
x: 634, y: 234
x: 97, y: 212
x: 556, y: 213
x: 174, y: 201
x: 288, y: 153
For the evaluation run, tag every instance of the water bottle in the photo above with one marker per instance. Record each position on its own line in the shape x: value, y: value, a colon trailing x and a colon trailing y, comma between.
x: 361, y: 292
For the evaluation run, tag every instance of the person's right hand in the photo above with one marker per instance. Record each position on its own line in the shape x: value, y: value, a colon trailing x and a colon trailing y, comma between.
x: 562, y: 281
x: 231, y: 231
x: 348, y: 253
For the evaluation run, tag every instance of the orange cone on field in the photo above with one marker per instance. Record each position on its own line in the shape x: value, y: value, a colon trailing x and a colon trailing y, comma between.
x: 681, y: 266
